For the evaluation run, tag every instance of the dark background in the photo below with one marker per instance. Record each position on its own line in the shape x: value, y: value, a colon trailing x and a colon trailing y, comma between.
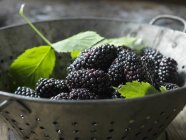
x: 135, y: 10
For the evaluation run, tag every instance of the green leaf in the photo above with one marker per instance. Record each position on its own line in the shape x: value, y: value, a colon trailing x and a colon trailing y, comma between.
x: 136, y: 89
x: 163, y: 89
x: 31, y: 65
x: 121, y: 41
x: 75, y: 54
x: 78, y: 42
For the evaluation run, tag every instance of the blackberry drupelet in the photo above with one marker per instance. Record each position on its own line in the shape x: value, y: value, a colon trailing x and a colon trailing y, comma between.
x: 167, y: 72
x: 96, y: 81
x: 126, y: 68
x: 61, y: 96
x: 82, y: 94
x: 25, y: 91
x: 170, y: 86
x: 51, y: 87
x: 97, y: 58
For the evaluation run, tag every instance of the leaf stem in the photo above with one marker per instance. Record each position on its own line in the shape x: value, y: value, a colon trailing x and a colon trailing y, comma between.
x: 21, y: 13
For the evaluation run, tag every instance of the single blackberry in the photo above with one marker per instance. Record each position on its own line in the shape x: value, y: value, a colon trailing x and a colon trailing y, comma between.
x: 96, y: 81
x: 97, y: 58
x: 82, y: 94
x: 61, y: 96
x: 170, y: 86
x: 149, y: 71
x: 125, y: 68
x: 154, y: 55
x: 50, y: 87
x: 25, y: 91
x: 167, y: 72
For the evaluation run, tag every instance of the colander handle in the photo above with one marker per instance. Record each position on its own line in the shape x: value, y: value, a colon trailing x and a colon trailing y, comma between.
x: 170, y: 17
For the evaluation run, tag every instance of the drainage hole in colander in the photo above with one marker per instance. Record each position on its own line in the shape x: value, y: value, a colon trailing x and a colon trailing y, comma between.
x: 22, y: 116
x: 138, y: 133
x: 14, y: 121
x: 74, y: 124
x: 37, y: 119
x: 21, y: 129
x: 111, y: 130
x: 55, y: 123
x: 167, y: 117
x: 123, y: 137
x: 76, y: 138
x: 6, y: 112
x: 183, y: 66
x: 61, y: 138
x: 58, y: 131
x: 93, y: 138
x: 94, y: 124
x: 174, y: 45
x: 27, y: 124
x: 26, y: 137
x: 109, y: 138
x: 33, y: 132
x: 2, y: 61
x: 11, y: 57
x: 162, y: 113
x: 41, y: 127
x: 144, y: 138
x: 93, y: 131
x: 75, y: 131
x: 112, y: 122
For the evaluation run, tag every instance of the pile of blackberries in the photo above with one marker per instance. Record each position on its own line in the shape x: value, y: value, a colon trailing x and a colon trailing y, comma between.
x: 95, y: 71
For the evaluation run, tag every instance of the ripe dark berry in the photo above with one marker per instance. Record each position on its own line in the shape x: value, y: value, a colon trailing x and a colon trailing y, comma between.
x: 167, y: 72
x: 170, y: 86
x: 50, y: 87
x: 61, y: 96
x: 97, y: 58
x: 82, y: 94
x: 96, y: 81
x: 126, y: 68
x: 25, y: 91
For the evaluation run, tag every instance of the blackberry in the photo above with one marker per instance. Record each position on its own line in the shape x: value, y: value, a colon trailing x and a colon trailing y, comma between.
x: 61, y: 96
x: 25, y: 91
x: 82, y: 94
x: 97, y: 58
x: 152, y: 58
x: 50, y: 87
x: 96, y: 81
x: 170, y: 86
x: 167, y: 72
x: 152, y: 54
x: 125, y: 68
x: 149, y: 71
